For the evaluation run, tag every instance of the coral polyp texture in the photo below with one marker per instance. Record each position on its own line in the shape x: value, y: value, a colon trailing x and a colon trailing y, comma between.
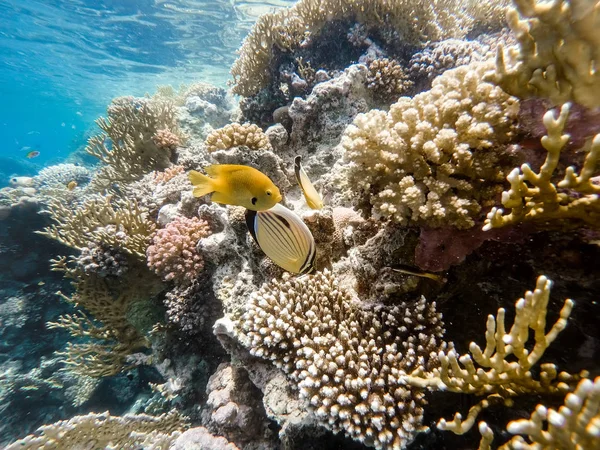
x: 289, y: 29
x: 346, y: 361
x: 387, y: 79
x: 434, y: 159
x: 235, y: 135
x: 558, y: 51
x: 536, y: 197
x: 173, y: 254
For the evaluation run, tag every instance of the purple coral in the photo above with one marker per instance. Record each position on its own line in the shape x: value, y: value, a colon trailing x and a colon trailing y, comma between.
x: 173, y: 253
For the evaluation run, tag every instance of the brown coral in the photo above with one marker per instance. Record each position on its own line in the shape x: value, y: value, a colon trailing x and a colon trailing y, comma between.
x: 235, y: 135
x: 387, y: 79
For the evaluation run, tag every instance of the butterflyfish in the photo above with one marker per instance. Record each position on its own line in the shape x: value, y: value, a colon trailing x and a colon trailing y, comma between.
x: 232, y: 184
x: 284, y: 238
x: 313, y: 199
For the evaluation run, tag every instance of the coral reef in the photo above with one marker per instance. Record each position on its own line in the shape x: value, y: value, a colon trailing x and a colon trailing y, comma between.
x: 235, y: 135
x: 387, y: 79
x: 557, y: 52
x: 534, y: 197
x: 433, y: 159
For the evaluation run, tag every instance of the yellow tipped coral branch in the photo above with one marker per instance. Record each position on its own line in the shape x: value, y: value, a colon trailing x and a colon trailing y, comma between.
x: 533, y: 196
x: 503, y: 369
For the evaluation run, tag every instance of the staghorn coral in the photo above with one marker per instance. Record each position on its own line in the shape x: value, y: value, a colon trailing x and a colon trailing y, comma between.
x: 433, y: 159
x: 290, y: 29
x: 534, y: 197
x: 142, y: 133
x: 557, y: 54
x: 387, y: 79
x: 120, y: 224
x: 172, y: 254
x: 104, y: 431
x: 504, y: 369
x: 235, y: 135
x: 346, y: 361
x: 575, y: 426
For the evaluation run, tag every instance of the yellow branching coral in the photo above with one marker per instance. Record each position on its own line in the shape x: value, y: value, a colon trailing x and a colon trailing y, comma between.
x: 534, y: 196
x: 417, y: 22
x: 574, y: 426
x: 121, y: 224
x: 235, y: 134
x: 105, y: 431
x: 504, y: 368
x: 142, y: 133
x: 113, y: 337
x: 433, y: 159
x: 558, y: 51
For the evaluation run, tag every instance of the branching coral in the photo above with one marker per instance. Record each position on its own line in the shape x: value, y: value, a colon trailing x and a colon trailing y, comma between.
x: 235, y: 134
x: 289, y: 29
x: 142, y: 134
x: 173, y: 253
x: 120, y: 224
x: 387, y: 79
x: 504, y: 368
x: 433, y: 159
x: 558, y: 51
x: 346, y: 361
x: 575, y: 426
x: 104, y: 431
x: 534, y: 197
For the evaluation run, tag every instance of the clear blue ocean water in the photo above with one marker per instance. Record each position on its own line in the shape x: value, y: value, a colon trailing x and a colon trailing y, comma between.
x: 62, y: 61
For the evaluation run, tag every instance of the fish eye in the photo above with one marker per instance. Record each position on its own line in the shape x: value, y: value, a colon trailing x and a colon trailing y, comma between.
x: 268, y: 192
x: 254, y: 200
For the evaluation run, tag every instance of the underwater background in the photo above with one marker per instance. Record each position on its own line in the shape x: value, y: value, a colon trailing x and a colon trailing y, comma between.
x: 313, y: 224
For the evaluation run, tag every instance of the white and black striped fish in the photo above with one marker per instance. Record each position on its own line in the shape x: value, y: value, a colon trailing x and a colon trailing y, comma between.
x: 284, y: 238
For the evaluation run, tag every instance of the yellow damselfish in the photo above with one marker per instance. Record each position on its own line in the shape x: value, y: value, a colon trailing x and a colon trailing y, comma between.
x: 232, y: 184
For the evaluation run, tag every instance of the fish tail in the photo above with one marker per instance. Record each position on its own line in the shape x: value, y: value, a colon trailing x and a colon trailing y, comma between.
x: 202, y: 184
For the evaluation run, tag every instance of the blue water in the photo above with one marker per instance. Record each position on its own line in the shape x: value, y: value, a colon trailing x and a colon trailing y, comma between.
x: 62, y: 61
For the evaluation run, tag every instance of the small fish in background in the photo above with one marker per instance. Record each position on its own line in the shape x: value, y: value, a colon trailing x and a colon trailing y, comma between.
x: 232, y: 184
x: 72, y: 185
x: 25, y: 149
x: 418, y: 273
x: 32, y: 154
x: 41, y: 283
x: 33, y: 132
x: 313, y: 199
x: 284, y: 238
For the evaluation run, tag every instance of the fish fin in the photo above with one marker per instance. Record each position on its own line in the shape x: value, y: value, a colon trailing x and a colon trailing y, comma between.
x: 250, y: 223
x: 218, y: 170
x: 202, y: 184
x: 222, y: 198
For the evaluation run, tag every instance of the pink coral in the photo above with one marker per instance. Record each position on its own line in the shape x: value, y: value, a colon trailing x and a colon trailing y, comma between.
x: 166, y: 139
x: 173, y: 253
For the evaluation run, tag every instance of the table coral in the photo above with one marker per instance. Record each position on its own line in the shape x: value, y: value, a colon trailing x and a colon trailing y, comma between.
x: 558, y: 51
x: 173, y: 254
x: 433, y: 159
x: 535, y: 197
x: 346, y: 361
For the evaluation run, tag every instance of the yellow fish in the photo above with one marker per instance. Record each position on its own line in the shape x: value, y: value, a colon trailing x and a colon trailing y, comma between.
x: 72, y: 185
x: 284, y: 238
x: 236, y: 185
x: 313, y: 199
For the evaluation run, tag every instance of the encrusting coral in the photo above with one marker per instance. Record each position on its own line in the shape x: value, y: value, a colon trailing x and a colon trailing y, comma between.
x: 433, y: 159
x: 173, y: 254
x: 346, y: 361
x: 506, y: 364
x: 105, y: 431
x: 235, y: 135
x: 534, y: 197
x: 289, y: 29
x: 558, y: 51
x: 574, y: 426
